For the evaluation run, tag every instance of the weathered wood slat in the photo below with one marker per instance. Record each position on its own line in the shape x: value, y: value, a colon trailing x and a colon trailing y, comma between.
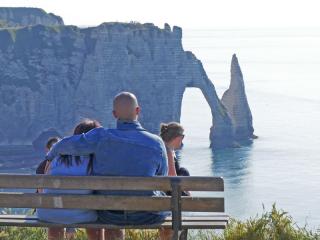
x: 195, y: 218
x: 185, y: 225
x: 18, y: 216
x: 202, y: 219
x: 99, y: 202
x: 202, y: 204
x: 110, y: 183
x: 212, y: 205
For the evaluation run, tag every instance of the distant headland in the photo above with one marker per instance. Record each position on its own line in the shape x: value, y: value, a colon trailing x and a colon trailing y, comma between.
x: 52, y: 75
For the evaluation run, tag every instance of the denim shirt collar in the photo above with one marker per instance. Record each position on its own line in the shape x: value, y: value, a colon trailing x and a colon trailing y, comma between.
x: 129, y: 125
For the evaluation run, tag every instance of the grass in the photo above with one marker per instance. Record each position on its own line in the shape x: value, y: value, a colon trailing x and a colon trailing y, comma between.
x: 272, y: 225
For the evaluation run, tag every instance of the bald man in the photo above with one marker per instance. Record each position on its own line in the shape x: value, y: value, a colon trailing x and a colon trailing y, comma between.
x: 127, y: 150
x: 125, y: 107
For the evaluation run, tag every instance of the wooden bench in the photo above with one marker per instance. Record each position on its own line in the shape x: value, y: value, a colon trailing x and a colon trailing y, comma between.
x: 211, y: 208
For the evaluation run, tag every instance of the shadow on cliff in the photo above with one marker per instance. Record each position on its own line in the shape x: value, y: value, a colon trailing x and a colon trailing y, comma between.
x: 232, y: 163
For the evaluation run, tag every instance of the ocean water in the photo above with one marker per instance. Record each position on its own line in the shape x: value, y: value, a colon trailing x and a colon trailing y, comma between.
x: 282, y: 80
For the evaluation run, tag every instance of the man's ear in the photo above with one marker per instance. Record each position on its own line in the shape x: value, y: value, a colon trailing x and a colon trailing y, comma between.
x: 138, y: 110
x: 114, y: 114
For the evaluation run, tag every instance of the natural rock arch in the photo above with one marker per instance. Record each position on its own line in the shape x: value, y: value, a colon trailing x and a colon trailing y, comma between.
x: 62, y: 74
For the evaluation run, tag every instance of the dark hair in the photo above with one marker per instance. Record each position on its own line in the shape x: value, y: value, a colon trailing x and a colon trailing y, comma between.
x: 169, y: 131
x: 52, y: 141
x: 83, y: 127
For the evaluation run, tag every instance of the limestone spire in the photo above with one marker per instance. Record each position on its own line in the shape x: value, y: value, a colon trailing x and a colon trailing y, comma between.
x: 236, y: 103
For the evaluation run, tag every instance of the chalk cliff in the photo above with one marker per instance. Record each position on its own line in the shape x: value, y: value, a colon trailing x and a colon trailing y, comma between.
x: 236, y: 103
x: 14, y: 17
x: 52, y: 76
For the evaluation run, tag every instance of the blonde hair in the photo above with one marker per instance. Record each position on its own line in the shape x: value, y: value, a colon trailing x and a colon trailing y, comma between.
x: 169, y: 131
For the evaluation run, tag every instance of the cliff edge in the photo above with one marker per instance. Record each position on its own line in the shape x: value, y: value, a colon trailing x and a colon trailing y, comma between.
x: 52, y: 76
x: 20, y: 17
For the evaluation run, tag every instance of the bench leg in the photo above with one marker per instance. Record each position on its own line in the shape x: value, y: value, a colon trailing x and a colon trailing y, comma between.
x: 166, y: 234
x: 184, y: 234
x: 176, y: 208
x: 55, y: 233
x: 169, y: 234
x: 114, y: 234
x: 95, y: 233
x: 175, y: 235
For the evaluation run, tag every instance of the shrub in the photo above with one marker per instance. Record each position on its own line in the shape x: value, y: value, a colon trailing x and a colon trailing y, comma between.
x: 273, y: 225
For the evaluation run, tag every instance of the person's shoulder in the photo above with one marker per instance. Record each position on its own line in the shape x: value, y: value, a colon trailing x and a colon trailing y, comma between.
x: 153, y: 139
x: 99, y: 132
x: 153, y: 136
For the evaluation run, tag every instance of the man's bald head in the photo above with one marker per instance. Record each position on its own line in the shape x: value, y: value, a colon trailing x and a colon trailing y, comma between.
x: 125, y: 106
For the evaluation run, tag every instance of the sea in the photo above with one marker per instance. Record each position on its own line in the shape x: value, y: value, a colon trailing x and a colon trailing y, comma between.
x: 281, y: 69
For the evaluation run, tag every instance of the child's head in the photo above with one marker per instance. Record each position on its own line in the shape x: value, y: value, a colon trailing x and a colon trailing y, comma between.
x: 51, y: 141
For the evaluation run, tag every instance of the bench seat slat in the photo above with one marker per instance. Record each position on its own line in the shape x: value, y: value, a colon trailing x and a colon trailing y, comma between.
x: 167, y: 224
x: 18, y: 181
x: 129, y: 203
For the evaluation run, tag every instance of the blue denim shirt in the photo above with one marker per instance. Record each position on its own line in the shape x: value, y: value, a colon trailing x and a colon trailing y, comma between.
x: 128, y: 150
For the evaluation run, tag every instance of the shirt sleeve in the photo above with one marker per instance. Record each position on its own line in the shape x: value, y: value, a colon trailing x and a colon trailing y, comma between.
x: 163, y: 165
x: 82, y: 144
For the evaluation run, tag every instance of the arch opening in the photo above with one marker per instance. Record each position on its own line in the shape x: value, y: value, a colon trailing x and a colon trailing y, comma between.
x: 196, y: 118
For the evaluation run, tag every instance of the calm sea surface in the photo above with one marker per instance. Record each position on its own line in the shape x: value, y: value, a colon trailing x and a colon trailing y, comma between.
x: 282, y: 79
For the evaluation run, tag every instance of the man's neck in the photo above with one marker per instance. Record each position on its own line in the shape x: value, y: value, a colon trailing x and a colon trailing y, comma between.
x: 127, y: 120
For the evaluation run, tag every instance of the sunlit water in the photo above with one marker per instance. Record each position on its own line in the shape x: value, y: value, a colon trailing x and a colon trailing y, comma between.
x: 282, y: 79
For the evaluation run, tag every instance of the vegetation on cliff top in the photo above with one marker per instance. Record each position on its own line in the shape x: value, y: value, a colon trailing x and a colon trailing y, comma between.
x: 273, y: 225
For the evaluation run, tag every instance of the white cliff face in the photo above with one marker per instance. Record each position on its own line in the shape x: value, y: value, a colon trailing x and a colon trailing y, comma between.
x: 155, y: 67
x: 17, y: 17
x: 236, y: 103
x: 51, y: 77
x: 39, y: 70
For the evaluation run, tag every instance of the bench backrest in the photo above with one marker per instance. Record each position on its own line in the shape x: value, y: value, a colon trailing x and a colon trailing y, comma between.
x: 175, y: 203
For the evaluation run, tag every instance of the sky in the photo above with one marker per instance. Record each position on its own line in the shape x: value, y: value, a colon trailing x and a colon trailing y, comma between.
x: 202, y: 14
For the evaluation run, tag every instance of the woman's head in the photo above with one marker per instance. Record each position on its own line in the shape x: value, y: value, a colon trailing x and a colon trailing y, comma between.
x: 172, y: 133
x: 85, y: 126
